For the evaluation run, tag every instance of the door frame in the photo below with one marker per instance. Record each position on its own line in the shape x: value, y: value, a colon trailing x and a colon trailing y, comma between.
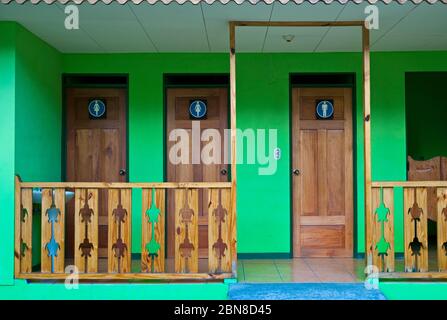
x: 193, y: 85
x: 350, y: 83
x: 90, y: 81
x: 198, y: 77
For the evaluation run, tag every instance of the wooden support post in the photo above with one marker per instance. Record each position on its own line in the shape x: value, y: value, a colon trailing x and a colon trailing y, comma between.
x: 232, y: 218
x: 367, y: 140
x: 17, y: 226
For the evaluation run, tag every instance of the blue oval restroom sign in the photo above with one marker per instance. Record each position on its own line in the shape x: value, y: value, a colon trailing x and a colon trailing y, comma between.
x: 96, y: 108
x: 197, y: 109
x: 325, y: 109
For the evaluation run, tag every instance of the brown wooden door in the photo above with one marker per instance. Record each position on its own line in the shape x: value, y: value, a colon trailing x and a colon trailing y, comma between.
x: 96, y: 149
x: 323, y: 187
x: 178, y: 117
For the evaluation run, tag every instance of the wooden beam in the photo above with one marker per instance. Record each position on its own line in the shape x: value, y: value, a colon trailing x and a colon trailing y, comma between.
x: 128, y: 185
x: 409, y: 184
x: 232, y: 217
x: 127, y: 276
x: 297, y: 24
x: 17, y: 225
x: 367, y: 138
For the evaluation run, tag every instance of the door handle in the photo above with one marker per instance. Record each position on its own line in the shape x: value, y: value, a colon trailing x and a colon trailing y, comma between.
x: 122, y: 172
x: 223, y: 172
x: 297, y: 172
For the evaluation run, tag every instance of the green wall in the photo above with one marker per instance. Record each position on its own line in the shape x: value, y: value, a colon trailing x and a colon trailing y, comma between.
x: 7, y: 100
x: 426, y: 104
x: 38, y: 109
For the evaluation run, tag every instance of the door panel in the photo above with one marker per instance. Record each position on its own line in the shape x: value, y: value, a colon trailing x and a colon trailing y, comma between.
x: 96, y: 150
x: 177, y: 113
x: 322, y: 192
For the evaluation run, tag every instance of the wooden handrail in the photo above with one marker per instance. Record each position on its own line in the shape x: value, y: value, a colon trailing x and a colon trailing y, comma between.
x: 409, y: 184
x: 128, y: 185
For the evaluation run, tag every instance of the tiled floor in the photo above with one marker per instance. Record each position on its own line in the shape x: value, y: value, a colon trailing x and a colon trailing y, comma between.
x: 302, y: 270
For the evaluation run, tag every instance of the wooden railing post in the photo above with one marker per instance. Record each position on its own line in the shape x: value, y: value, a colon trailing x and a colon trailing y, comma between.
x: 119, y: 238
x: 186, y: 231
x: 153, y: 231
x: 442, y: 229
x: 86, y: 230
x: 219, y: 233
x: 382, y: 228
x: 53, y: 230
x: 415, y: 229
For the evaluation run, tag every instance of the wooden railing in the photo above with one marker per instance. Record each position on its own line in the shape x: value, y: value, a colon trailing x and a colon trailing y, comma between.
x: 421, y: 200
x: 50, y: 200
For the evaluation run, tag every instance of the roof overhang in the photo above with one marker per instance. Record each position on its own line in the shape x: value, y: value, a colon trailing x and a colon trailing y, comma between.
x: 222, y: 1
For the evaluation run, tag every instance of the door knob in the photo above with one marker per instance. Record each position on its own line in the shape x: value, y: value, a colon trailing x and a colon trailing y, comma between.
x: 297, y: 172
x: 122, y: 172
x: 223, y: 172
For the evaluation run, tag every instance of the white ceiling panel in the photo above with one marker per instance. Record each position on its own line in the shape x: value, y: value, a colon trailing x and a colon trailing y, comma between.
x: 349, y: 39
x: 305, y: 39
x: 174, y: 28
x: 425, y: 28
x: 106, y: 23
x: 248, y: 39
x: 305, y: 11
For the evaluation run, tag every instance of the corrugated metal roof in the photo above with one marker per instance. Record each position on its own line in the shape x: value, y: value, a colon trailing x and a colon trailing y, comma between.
x: 221, y: 1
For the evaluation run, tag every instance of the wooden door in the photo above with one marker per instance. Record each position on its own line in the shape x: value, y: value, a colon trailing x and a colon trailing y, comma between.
x: 96, y: 149
x: 323, y: 184
x: 178, y: 117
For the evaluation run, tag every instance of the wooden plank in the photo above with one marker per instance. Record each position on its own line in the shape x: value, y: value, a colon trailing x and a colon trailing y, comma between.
x: 17, y: 224
x: 119, y: 235
x: 298, y: 23
x: 26, y: 262
x: 153, y: 229
x: 128, y: 276
x: 442, y: 229
x: 219, y: 257
x: 186, y: 258
x: 367, y: 139
x: 86, y: 230
x: 53, y: 222
x: 383, y: 206
x: 233, y: 127
x: 128, y: 185
x: 415, y: 209
x: 410, y: 184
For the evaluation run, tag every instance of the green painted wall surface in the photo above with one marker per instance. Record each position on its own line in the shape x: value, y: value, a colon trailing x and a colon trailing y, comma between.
x: 7, y: 98
x: 426, y: 113
x: 38, y: 109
